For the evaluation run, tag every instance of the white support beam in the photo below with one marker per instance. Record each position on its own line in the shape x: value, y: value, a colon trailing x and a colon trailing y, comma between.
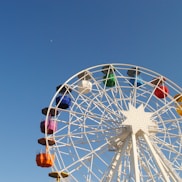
x: 135, y: 158
x: 116, y: 162
x: 168, y: 167
x: 157, y: 159
x: 119, y: 173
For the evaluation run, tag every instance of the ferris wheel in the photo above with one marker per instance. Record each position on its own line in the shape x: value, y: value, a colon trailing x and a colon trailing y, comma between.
x: 114, y: 123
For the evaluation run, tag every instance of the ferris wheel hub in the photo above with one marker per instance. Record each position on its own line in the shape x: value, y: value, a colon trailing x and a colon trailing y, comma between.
x: 138, y: 119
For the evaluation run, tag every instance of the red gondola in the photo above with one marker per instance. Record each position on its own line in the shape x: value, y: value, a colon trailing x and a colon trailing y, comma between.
x: 161, y: 91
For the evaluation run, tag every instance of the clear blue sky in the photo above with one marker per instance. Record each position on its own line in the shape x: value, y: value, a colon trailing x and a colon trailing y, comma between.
x: 44, y: 42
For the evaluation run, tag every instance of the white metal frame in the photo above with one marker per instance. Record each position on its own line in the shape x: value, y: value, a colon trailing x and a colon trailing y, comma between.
x: 91, y: 142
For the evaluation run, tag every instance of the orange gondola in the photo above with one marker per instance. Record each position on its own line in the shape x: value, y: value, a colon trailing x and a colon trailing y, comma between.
x: 45, y: 159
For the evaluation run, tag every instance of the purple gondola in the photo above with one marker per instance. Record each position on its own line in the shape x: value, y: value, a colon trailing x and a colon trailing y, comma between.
x: 51, y: 126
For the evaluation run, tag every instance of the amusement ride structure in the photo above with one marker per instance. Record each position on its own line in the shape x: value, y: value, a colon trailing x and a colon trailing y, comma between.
x: 113, y: 123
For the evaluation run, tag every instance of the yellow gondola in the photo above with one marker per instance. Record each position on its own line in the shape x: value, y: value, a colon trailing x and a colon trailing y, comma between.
x: 178, y: 97
x: 179, y: 109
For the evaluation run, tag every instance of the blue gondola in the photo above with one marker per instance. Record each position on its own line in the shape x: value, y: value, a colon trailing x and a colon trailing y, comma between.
x: 136, y: 81
x: 63, y: 102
